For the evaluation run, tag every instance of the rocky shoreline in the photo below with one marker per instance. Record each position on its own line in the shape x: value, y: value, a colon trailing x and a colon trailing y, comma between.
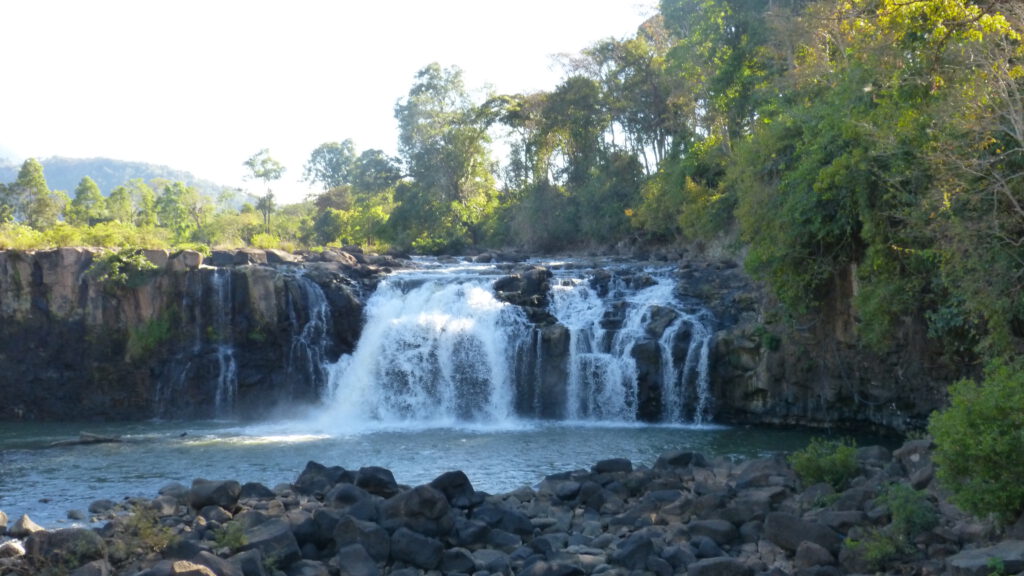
x: 686, y: 514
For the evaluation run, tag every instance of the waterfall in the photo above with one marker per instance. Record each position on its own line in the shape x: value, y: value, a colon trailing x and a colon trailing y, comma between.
x: 433, y: 349
x: 439, y: 348
x: 221, y: 334
x: 206, y: 310
x: 309, y: 317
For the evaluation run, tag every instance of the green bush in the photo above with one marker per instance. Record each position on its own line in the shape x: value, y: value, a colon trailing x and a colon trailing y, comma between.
x: 120, y: 269
x: 979, y: 442
x: 831, y: 461
x: 911, y: 514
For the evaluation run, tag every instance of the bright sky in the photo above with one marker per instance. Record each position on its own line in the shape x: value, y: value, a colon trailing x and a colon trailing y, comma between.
x: 201, y: 85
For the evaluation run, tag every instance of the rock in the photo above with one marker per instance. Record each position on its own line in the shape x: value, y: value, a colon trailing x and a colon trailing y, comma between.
x: 612, y: 465
x: 723, y: 566
x: 493, y: 561
x: 101, y: 506
x: 222, y: 493
x: 788, y: 531
x: 185, y: 260
x: 94, y: 568
x: 720, y: 531
x: 255, y: 491
x: 274, y: 540
x: 371, y: 537
x: 76, y: 515
x: 275, y: 256
x: 632, y: 552
x: 680, y: 459
x: 354, y: 560
x: 809, y: 554
x: 307, y: 568
x: 218, y: 565
x: 543, y: 568
x: 458, y: 560
x: 24, y: 527
x: 1008, y: 554
x: 914, y: 455
x: 247, y: 256
x: 71, y: 547
x: 353, y: 500
x: 317, y: 479
x: 457, y: 488
x: 187, y: 568
x: 3, y: 522
x: 416, y: 549
x: 505, y: 519
x: 11, y: 549
x: 378, y: 481
x: 422, y: 509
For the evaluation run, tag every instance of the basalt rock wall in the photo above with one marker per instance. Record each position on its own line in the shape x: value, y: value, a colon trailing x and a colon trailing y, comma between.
x: 260, y: 325
x: 772, y: 368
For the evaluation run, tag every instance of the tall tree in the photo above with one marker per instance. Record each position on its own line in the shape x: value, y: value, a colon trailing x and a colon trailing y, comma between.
x: 33, y: 202
x: 443, y: 141
x: 88, y: 206
x: 331, y: 164
x: 264, y: 167
x: 119, y: 205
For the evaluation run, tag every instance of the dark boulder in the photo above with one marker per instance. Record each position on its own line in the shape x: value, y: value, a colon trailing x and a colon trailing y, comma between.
x: 416, y: 549
x: 222, y: 493
x: 423, y: 509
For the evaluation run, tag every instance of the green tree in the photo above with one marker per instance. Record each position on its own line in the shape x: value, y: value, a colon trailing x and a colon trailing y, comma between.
x: 331, y: 165
x: 119, y: 205
x: 88, y: 206
x: 443, y: 142
x: 264, y: 167
x: 33, y: 202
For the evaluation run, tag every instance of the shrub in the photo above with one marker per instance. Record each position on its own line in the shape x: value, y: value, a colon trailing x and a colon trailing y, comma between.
x: 978, y: 441
x: 264, y: 241
x: 911, y: 514
x: 120, y: 269
x: 830, y: 461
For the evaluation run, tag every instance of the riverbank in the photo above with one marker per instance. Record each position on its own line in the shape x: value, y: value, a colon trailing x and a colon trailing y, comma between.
x: 685, y: 514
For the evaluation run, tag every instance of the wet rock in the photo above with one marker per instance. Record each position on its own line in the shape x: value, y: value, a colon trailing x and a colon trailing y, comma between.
x: 11, y: 549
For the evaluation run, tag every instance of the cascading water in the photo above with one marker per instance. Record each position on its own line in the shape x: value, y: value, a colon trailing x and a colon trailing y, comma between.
x: 227, y: 373
x: 206, y: 310
x: 308, y: 314
x: 438, y: 347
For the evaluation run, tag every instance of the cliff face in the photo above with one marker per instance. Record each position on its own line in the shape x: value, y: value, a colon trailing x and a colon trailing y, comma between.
x: 811, y: 370
x: 75, y: 347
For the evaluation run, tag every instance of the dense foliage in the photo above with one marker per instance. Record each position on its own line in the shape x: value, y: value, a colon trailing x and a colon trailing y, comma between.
x: 980, y: 442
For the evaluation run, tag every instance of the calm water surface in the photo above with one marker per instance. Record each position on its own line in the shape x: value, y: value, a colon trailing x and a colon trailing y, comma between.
x: 47, y: 481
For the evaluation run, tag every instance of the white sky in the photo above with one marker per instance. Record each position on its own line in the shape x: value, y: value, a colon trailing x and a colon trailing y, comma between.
x: 201, y: 85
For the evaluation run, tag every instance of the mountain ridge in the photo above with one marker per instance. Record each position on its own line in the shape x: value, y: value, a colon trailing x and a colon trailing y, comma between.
x: 64, y: 173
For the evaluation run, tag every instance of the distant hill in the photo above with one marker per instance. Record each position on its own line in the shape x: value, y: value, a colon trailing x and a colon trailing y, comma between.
x: 65, y: 173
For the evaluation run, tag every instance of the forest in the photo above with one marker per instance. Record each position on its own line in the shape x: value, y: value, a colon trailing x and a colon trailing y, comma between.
x: 809, y: 136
